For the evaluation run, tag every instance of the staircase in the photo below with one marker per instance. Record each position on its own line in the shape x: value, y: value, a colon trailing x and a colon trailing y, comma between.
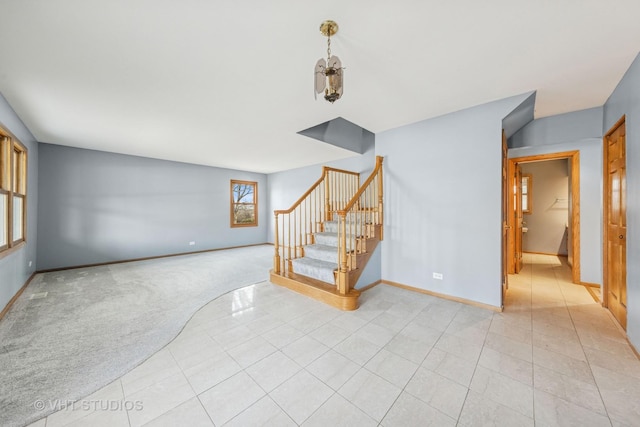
x: 324, y: 241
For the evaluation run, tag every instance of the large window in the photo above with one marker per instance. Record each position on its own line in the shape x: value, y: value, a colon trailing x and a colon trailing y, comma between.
x: 244, y: 203
x: 13, y: 191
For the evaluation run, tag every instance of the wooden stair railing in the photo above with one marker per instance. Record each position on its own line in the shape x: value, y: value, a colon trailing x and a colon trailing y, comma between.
x: 360, y: 221
x: 338, y: 202
x: 296, y: 226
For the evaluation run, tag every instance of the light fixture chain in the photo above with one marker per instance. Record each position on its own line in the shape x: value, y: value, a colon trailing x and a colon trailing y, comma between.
x: 328, y: 47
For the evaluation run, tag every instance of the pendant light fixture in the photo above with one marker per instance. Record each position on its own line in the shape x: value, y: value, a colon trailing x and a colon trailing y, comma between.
x: 328, y: 73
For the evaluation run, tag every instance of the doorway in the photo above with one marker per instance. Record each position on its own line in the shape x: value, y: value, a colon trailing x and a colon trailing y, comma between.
x: 615, y: 223
x: 515, y: 217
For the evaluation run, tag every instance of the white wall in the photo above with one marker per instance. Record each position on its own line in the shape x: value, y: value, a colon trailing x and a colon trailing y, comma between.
x: 443, y: 202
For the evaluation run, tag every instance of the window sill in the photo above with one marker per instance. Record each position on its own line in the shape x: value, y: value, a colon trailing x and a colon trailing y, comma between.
x: 12, y: 249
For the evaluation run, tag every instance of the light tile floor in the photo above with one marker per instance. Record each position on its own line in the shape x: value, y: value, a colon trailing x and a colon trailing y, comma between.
x: 266, y: 356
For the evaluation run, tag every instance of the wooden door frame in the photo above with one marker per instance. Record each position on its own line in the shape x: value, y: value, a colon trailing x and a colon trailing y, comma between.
x: 516, y: 182
x: 504, y: 270
x: 574, y: 159
x: 605, y: 212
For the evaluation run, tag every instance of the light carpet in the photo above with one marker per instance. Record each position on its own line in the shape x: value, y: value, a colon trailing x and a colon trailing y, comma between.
x: 95, y: 324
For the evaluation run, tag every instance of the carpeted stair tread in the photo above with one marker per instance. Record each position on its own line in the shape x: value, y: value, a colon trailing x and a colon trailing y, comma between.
x: 332, y: 226
x: 331, y: 239
x: 321, y: 252
x: 327, y: 238
x: 315, y: 268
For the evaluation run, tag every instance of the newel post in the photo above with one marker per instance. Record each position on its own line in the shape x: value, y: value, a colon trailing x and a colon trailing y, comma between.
x: 343, y: 270
x: 327, y: 195
x: 276, y: 245
x: 379, y: 160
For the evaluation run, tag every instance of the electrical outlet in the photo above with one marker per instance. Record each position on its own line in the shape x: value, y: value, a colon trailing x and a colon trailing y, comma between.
x: 437, y: 276
x: 30, y: 263
x: 192, y: 243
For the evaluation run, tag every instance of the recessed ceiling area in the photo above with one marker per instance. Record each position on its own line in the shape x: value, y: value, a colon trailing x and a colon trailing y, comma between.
x: 230, y: 84
x: 342, y: 133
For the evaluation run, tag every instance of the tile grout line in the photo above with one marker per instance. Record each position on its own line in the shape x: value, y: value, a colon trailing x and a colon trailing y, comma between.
x: 474, y: 371
x: 533, y: 365
x: 558, y: 280
x: 332, y: 348
x: 586, y: 358
x: 124, y: 397
x: 197, y: 395
x: 243, y: 370
x: 302, y: 368
x: 268, y: 393
x: 419, y: 366
x: 604, y: 405
x: 381, y: 348
x: 402, y: 390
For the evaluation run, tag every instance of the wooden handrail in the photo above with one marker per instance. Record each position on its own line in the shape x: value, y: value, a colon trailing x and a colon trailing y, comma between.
x: 325, y: 170
x: 363, y: 187
x: 304, y: 196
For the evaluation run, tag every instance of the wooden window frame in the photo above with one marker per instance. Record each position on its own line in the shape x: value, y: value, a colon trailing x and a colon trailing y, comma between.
x: 529, y: 193
x: 13, y: 184
x: 233, y: 204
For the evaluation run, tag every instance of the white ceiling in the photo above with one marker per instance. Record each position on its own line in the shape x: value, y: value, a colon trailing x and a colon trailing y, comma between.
x: 229, y: 83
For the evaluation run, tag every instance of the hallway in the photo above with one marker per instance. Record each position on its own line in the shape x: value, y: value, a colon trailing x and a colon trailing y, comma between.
x: 581, y: 359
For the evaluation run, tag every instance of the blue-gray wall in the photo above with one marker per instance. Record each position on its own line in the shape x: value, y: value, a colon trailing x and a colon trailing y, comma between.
x: 568, y: 127
x: 443, y: 206
x: 371, y: 272
x: 577, y: 131
x: 625, y: 100
x: 590, y: 150
x: 98, y: 207
x: 14, y: 268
